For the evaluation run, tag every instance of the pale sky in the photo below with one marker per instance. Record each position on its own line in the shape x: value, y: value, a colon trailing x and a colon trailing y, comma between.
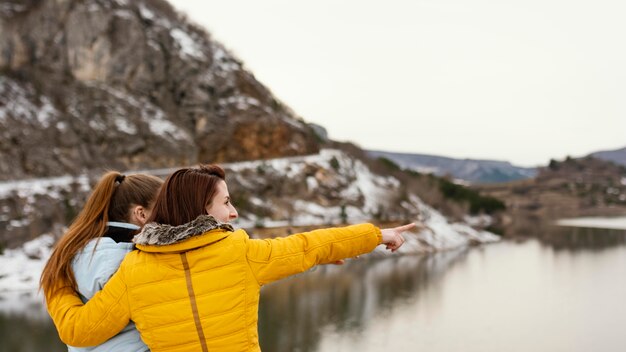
x: 523, y: 80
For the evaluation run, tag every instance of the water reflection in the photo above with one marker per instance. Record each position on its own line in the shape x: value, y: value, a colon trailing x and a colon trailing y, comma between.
x: 22, y: 334
x: 295, y: 312
x: 581, y: 238
x: 25, y: 325
x: 562, y: 293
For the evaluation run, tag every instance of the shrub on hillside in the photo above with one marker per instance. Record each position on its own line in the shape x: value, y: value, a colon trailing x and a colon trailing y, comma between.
x: 389, y: 163
x: 477, y: 203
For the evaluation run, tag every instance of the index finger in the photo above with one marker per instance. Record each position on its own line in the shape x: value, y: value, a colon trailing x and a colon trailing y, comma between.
x: 405, y: 227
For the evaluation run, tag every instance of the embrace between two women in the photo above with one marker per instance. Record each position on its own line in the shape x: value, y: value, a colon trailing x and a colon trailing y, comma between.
x: 153, y: 265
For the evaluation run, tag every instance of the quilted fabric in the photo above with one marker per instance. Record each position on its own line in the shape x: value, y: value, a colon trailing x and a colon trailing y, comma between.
x: 202, y: 292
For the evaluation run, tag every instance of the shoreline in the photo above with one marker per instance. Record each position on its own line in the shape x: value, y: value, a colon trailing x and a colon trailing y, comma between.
x: 609, y: 223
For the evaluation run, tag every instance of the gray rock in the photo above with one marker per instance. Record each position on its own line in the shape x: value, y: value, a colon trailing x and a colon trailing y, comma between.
x: 90, y: 85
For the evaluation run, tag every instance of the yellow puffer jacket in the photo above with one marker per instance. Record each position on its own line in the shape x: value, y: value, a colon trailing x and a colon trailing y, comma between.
x: 200, y: 293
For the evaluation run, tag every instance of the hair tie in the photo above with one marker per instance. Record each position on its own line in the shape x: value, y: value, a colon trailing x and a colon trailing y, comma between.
x: 120, y: 178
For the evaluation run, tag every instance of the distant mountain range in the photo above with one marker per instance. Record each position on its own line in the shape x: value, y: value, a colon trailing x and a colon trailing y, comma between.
x: 475, y: 171
x: 478, y: 171
x: 617, y: 156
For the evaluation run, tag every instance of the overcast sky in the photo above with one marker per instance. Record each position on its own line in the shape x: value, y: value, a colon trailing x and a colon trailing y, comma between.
x: 523, y: 80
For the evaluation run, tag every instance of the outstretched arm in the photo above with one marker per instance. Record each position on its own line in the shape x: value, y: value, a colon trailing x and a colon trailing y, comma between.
x: 101, y: 318
x: 391, y: 238
x: 274, y: 259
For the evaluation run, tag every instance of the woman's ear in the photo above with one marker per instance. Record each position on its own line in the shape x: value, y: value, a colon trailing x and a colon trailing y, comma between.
x: 138, y: 215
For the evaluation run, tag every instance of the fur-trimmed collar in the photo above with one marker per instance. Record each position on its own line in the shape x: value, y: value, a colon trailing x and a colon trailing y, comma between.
x: 161, y: 235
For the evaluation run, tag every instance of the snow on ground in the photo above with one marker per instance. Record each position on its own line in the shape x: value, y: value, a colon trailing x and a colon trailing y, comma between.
x: 151, y: 114
x: 146, y: 13
x: 27, y: 188
x: 437, y: 234
x: 188, y: 46
x: 289, y: 166
x: 372, y: 187
x: 222, y: 59
x: 19, y: 104
x: 617, y: 223
x: 478, y: 220
x: 20, y: 268
x: 241, y: 102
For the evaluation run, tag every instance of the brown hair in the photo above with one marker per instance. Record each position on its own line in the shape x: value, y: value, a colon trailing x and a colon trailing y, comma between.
x: 111, y: 200
x: 186, y: 194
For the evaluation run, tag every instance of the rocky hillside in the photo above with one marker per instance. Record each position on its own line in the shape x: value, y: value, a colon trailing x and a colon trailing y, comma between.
x: 569, y: 188
x: 470, y: 170
x: 284, y: 194
x: 94, y: 84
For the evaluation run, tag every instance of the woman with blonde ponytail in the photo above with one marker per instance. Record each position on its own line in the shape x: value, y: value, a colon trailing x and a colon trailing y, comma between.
x: 97, y: 241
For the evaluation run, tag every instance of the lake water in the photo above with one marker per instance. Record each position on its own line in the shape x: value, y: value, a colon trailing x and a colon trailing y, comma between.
x: 563, y: 292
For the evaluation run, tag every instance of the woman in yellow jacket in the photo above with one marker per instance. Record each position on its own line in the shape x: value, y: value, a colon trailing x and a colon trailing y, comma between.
x: 194, y: 282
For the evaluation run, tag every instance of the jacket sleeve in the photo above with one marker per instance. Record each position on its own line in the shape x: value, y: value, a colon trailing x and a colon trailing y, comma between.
x: 102, y: 317
x: 274, y: 259
x: 93, y: 269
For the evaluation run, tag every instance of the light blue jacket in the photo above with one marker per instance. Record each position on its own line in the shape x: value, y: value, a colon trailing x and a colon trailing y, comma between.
x: 91, y: 273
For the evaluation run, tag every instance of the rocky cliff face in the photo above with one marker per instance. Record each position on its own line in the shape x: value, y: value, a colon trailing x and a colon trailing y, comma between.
x: 89, y: 84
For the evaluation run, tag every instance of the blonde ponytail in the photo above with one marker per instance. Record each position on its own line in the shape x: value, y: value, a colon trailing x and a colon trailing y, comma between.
x: 115, y: 194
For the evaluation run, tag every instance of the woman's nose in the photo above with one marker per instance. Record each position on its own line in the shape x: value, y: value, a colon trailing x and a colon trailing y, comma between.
x: 233, y: 214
